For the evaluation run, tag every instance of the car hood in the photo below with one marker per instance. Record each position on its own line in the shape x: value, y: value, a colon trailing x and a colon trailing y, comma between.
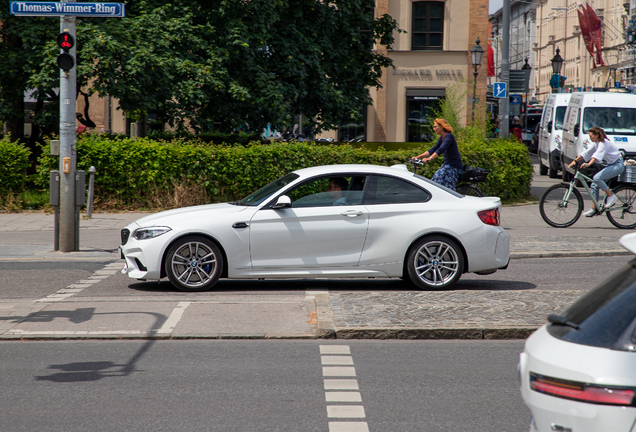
x: 170, y: 216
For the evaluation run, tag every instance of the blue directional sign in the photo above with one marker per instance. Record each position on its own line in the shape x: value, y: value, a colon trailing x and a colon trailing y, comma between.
x: 32, y: 8
x: 500, y: 90
x: 515, y: 99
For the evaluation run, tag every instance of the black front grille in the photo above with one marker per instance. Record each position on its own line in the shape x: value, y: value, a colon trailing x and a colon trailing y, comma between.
x: 125, y: 233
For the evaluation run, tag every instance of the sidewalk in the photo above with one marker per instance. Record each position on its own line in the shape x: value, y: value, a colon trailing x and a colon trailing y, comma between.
x: 73, y: 313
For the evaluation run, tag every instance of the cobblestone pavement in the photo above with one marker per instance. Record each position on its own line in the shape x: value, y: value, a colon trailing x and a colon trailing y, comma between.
x: 444, y: 314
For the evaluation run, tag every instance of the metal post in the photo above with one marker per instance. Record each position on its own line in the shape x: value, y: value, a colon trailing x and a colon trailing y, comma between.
x: 472, y: 122
x: 91, y: 187
x: 68, y: 157
x: 504, y: 103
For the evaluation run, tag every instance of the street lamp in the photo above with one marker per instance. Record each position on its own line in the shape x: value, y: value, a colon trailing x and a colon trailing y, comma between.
x: 557, y: 63
x: 475, y: 54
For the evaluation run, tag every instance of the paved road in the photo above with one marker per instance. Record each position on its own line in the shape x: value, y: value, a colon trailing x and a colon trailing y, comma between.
x: 46, y: 294
x: 261, y: 386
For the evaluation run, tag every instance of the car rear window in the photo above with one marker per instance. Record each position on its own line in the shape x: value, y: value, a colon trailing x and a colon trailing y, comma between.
x: 606, y: 315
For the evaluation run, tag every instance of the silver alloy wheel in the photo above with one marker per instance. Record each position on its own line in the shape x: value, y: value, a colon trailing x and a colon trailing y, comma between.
x: 194, y: 264
x: 436, y: 263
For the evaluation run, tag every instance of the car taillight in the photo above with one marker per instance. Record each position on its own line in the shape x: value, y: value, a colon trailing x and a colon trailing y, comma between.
x: 489, y: 217
x: 573, y: 390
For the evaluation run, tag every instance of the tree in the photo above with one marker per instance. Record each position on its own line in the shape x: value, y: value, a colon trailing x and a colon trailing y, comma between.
x: 240, y: 63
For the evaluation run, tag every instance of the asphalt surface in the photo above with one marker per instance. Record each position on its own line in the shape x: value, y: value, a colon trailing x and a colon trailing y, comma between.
x: 93, y: 305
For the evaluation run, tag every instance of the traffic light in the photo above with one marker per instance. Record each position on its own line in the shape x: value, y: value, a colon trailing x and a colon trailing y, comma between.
x: 65, y: 60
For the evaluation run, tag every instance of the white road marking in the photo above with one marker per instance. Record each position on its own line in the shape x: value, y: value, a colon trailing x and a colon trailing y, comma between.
x: 348, y: 427
x: 345, y: 411
x: 343, y: 397
x: 342, y: 371
x: 174, y: 318
x: 73, y: 289
x: 337, y: 360
x: 341, y: 384
x: 335, y: 349
x: 332, y: 355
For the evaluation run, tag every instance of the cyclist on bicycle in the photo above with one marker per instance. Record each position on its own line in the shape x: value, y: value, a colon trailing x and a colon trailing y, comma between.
x: 448, y: 174
x: 601, y: 149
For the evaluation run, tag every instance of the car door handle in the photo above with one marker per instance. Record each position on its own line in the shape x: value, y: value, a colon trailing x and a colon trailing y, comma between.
x: 352, y: 213
x: 240, y: 225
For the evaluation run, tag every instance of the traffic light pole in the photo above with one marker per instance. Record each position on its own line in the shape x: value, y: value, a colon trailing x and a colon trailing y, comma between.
x: 68, y: 147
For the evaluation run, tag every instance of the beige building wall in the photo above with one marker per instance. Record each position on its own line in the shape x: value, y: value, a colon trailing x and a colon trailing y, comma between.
x: 427, y: 70
x: 560, y: 29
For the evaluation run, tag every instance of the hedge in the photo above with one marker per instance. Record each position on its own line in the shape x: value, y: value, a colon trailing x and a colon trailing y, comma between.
x: 133, y: 173
x: 14, y: 161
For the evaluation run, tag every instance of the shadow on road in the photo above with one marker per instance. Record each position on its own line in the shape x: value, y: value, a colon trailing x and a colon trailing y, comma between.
x: 94, y: 371
x: 250, y: 286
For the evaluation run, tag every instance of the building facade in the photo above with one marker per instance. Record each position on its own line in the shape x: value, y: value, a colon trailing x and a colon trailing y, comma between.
x: 431, y: 56
x: 523, y: 29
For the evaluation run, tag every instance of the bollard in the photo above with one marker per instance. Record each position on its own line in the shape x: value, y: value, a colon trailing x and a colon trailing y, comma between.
x: 91, y: 186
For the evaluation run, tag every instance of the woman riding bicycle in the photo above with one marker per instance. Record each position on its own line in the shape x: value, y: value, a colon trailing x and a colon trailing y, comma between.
x: 601, y: 149
x: 448, y: 174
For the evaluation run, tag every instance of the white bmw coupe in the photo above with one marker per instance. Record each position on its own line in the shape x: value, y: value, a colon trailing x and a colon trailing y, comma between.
x: 338, y: 221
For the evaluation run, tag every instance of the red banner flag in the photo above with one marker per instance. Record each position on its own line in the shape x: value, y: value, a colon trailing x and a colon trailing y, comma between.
x: 491, y: 61
x: 596, y: 30
x: 585, y: 31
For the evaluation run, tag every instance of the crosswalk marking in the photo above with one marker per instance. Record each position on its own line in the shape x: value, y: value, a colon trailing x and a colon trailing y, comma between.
x: 334, y: 357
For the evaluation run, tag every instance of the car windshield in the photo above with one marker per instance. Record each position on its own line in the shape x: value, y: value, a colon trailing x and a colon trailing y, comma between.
x: 266, y: 191
x: 620, y: 121
x: 605, y: 316
x: 559, y: 117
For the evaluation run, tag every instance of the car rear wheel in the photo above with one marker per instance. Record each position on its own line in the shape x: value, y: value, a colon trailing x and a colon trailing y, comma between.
x: 435, y: 262
x: 194, y: 263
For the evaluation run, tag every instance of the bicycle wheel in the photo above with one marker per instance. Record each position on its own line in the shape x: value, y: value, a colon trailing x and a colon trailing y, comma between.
x: 469, y: 191
x: 554, y: 212
x: 623, y: 214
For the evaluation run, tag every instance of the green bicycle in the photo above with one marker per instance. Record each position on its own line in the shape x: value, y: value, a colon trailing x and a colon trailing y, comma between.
x: 561, y: 205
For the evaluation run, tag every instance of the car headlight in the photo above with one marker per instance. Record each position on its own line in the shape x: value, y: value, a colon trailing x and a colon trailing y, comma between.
x: 150, y: 232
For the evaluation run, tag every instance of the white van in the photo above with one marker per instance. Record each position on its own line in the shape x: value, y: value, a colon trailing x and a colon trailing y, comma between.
x: 613, y: 112
x: 550, y: 133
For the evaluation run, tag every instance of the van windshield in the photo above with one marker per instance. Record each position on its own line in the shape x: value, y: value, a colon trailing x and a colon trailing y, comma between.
x: 558, y: 117
x: 613, y: 120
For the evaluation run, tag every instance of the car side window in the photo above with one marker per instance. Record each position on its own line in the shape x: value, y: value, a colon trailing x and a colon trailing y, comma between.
x: 391, y: 190
x: 332, y: 190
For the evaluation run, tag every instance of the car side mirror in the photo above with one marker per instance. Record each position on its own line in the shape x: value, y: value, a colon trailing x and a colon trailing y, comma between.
x: 549, y: 126
x: 283, y: 202
x: 576, y: 129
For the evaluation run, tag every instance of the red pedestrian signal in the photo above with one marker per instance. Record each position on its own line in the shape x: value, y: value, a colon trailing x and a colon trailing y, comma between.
x: 65, y: 41
x: 65, y: 60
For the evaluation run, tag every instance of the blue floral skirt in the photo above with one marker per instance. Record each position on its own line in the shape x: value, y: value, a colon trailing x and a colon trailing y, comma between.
x: 447, y: 176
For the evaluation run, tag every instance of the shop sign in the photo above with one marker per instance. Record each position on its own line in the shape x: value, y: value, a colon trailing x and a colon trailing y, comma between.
x: 440, y: 73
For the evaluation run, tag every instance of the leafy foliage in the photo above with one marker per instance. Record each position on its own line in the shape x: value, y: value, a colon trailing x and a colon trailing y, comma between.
x: 130, y: 172
x: 14, y: 160
x: 204, y: 63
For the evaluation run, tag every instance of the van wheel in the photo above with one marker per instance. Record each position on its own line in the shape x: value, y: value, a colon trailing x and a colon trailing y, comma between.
x: 552, y: 173
x: 543, y: 170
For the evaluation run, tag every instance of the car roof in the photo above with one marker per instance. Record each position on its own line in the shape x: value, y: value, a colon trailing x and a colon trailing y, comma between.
x: 399, y: 170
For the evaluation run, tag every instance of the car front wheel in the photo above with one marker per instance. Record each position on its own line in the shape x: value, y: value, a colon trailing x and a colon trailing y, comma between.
x: 194, y: 263
x: 435, y: 262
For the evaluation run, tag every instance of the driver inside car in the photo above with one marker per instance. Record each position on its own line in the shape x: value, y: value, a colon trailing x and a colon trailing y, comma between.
x: 335, y: 188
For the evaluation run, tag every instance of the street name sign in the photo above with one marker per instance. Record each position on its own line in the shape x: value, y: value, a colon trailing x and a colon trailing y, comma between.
x: 95, y: 10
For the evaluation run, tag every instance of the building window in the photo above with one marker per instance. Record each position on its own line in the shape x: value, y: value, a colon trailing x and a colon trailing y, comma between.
x: 427, y: 26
